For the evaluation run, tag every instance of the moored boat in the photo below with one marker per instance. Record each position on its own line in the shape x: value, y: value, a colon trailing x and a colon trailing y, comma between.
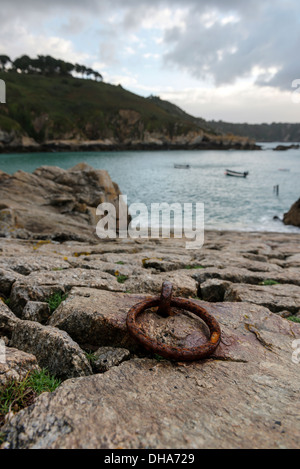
x: 181, y: 166
x: 238, y: 174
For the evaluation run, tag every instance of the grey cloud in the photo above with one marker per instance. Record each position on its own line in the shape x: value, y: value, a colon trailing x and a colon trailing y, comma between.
x: 266, y: 36
x: 269, y: 39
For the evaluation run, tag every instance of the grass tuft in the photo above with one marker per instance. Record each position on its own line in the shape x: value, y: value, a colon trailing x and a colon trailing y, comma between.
x: 55, y: 300
x: 90, y: 357
x: 120, y: 277
x: 294, y: 319
x: 269, y: 282
x: 16, y: 395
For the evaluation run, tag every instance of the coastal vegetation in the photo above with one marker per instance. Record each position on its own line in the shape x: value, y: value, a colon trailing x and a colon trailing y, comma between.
x: 18, y: 394
x: 55, y: 300
x: 45, y: 101
x: 45, y: 65
x: 49, y: 100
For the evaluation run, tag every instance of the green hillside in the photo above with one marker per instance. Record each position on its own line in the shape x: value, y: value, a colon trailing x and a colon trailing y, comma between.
x: 57, y: 107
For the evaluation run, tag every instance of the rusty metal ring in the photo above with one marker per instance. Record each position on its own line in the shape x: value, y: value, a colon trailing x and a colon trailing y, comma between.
x: 172, y: 352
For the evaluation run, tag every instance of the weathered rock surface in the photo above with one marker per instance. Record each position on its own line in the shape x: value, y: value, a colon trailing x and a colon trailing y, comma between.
x: 244, y: 396
x: 39, y: 286
x: 95, y: 318
x: 37, y: 311
x: 107, y: 357
x: 30, y: 261
x: 292, y: 217
x: 7, y: 320
x: 62, y: 203
x: 213, y: 290
x: 54, y: 349
x: 183, y: 284
x: 276, y: 298
x: 98, y: 318
x: 7, y: 279
x: 17, y: 365
x: 149, y: 404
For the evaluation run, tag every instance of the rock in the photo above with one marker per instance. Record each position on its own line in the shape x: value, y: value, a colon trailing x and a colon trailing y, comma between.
x: 39, y: 286
x: 17, y: 365
x: 7, y: 320
x: 54, y: 349
x: 213, y: 290
x: 28, y: 262
x: 95, y: 318
x: 293, y: 261
x: 7, y: 137
x: 167, y: 264
x: 98, y: 318
x: 286, y: 147
x: 146, y: 403
x: 276, y: 298
x: 292, y: 217
x: 54, y: 209
x: 242, y: 275
x: 183, y: 283
x: 243, y: 396
x: 107, y: 357
x: 7, y: 279
x: 233, y: 274
x: 36, y: 311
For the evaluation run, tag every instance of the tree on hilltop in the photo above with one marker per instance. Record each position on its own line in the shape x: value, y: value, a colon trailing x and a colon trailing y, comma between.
x: 22, y: 63
x: 47, y: 66
x: 4, y: 59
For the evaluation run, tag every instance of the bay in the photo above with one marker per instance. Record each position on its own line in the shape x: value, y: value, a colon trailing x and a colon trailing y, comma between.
x: 229, y: 203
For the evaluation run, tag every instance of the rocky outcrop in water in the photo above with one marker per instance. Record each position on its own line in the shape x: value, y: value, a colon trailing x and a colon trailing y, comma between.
x: 286, y: 147
x: 292, y: 217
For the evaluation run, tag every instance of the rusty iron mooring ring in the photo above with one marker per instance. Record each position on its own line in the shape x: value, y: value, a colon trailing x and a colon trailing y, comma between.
x: 164, y: 303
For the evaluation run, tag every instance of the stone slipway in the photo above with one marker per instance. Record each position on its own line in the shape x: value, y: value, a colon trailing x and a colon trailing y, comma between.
x: 245, y: 396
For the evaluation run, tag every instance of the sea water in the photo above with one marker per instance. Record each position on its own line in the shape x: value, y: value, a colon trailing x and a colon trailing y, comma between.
x: 229, y: 203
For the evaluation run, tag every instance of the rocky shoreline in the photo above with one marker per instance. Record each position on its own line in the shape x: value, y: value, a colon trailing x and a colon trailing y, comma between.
x: 14, y: 143
x: 248, y: 281
x: 63, y: 307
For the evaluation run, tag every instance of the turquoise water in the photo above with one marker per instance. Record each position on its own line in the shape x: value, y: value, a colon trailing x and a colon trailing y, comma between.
x: 230, y: 203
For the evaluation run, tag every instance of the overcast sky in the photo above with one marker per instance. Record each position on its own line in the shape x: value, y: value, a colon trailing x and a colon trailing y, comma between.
x: 233, y: 60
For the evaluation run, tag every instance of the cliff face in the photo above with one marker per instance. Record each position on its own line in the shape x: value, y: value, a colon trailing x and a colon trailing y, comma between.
x: 128, y: 130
